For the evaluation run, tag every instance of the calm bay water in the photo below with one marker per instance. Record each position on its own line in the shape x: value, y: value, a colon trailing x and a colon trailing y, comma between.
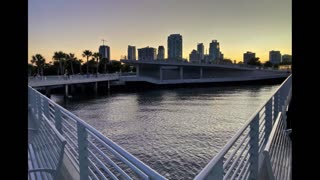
x: 177, y: 131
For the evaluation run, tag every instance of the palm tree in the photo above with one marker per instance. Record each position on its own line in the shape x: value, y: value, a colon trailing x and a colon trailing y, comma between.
x: 39, y: 61
x: 59, y: 56
x: 80, y: 61
x: 97, y: 56
x: 70, y: 59
x: 87, y: 53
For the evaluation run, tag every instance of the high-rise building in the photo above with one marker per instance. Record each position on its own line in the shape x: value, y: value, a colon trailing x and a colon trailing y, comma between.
x: 175, y: 47
x: 275, y: 57
x: 147, y: 54
x: 104, y: 50
x: 200, y: 49
x: 194, y: 56
x: 214, y: 50
x: 221, y: 55
x: 160, y: 55
x: 247, y: 56
x: 131, y: 52
x: 286, y: 58
x: 206, y: 58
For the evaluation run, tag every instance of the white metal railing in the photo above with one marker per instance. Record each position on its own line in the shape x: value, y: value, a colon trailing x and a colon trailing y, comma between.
x: 71, y: 77
x: 277, y: 152
x: 239, y: 158
x: 94, y: 155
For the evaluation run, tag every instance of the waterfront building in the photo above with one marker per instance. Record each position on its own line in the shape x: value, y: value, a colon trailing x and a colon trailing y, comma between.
x: 275, y: 57
x: 147, y: 54
x: 247, y: 56
x: 160, y: 55
x: 194, y: 57
x: 286, y: 58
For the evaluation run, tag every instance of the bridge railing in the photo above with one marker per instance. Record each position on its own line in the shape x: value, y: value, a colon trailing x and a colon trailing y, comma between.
x: 92, y: 154
x: 71, y: 77
x: 239, y: 158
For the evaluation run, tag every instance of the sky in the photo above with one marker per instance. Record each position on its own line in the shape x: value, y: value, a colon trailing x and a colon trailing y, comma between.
x: 73, y: 26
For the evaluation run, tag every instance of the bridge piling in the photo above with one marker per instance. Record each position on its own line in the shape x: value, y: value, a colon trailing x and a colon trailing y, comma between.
x: 66, y: 91
x: 48, y: 94
x: 95, y: 88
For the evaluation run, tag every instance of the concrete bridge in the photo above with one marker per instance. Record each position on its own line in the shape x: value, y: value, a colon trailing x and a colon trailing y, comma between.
x: 50, y: 82
x: 163, y: 72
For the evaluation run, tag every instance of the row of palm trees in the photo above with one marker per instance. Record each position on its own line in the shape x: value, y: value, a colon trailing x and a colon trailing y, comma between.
x: 64, y: 61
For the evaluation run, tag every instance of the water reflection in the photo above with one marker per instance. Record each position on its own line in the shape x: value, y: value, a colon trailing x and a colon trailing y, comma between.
x: 177, y: 131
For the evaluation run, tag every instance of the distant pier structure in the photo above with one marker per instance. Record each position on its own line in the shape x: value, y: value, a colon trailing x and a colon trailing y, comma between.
x: 173, y: 72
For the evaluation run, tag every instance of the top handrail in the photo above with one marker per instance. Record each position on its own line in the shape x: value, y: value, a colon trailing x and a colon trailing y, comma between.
x: 149, y: 171
x: 244, y: 127
x: 238, y: 134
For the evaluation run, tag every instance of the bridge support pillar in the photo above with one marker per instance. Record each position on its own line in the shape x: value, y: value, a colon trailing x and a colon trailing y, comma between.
x: 137, y: 70
x: 181, y: 72
x: 66, y: 90
x: 48, y: 94
x: 161, y: 73
x: 83, y: 88
x: 95, y: 88
x: 72, y: 88
x: 201, y: 73
x: 108, y: 88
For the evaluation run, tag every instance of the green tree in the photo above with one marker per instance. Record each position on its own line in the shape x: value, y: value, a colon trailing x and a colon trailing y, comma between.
x: 80, y: 61
x: 39, y: 61
x: 227, y: 61
x: 125, y: 68
x: 88, y: 54
x: 31, y: 69
x: 104, y: 61
x: 254, y: 61
x: 267, y: 64
x: 60, y: 57
x: 71, y: 59
x: 97, y: 56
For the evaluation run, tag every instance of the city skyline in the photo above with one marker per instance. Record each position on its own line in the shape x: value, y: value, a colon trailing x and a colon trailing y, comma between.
x: 75, y: 26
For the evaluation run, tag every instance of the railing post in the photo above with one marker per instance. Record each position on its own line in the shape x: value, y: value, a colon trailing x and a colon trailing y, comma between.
x: 58, y: 119
x: 276, y: 105
x: 83, y: 151
x: 268, y: 120
x: 38, y: 107
x: 254, y: 147
x: 46, y: 107
x: 217, y: 171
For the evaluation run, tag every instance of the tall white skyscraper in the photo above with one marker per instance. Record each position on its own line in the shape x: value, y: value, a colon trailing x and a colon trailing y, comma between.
x: 214, y: 50
x: 131, y: 52
x: 175, y: 47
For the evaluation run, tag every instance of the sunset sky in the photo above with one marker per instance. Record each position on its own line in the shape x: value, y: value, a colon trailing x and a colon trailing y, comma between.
x: 72, y: 26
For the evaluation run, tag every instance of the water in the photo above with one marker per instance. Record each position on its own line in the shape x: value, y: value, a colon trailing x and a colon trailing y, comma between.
x: 177, y: 131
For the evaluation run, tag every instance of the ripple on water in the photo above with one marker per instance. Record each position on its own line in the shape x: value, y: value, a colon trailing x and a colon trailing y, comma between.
x: 176, y: 132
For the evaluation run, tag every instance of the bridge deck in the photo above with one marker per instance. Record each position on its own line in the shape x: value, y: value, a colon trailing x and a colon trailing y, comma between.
x: 60, y: 80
